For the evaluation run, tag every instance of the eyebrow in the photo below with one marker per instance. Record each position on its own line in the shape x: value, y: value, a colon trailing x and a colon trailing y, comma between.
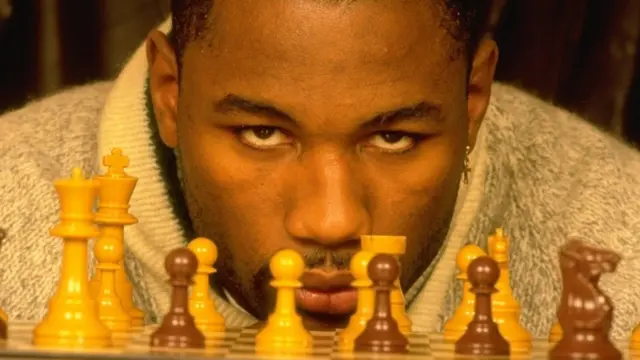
x: 421, y: 110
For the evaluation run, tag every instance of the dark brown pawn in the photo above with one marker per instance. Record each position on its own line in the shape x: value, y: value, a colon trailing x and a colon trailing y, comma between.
x: 382, y: 333
x: 3, y: 329
x: 178, y: 328
x: 482, y: 336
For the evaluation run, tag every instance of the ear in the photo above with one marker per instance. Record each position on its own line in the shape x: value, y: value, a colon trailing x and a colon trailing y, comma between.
x: 479, y: 88
x: 164, y: 85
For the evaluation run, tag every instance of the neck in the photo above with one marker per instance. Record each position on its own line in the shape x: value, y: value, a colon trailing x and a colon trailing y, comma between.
x: 382, y: 304
x: 75, y: 270
x: 179, y: 299
x: 107, y: 282
x: 201, y: 287
x: 483, y: 307
x: 285, y: 301
x: 366, y: 302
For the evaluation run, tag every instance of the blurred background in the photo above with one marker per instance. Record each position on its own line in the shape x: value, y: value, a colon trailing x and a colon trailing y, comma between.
x: 579, y: 54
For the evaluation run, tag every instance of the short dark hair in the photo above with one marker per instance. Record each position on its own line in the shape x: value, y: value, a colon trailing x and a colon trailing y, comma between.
x: 465, y: 20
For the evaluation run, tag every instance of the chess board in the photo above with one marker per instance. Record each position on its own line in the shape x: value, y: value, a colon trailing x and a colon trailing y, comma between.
x: 240, y: 344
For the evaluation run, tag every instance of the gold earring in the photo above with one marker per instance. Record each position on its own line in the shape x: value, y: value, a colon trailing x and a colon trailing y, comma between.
x: 466, y: 169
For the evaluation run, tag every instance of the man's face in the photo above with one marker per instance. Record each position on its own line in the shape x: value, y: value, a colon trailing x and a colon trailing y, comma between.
x: 303, y: 124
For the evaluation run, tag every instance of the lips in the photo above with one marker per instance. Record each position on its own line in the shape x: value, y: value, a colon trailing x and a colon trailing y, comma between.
x: 327, y: 293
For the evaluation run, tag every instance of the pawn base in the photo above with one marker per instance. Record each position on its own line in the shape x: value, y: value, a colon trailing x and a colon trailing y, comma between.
x: 273, y: 338
x: 175, y: 341
x: 171, y: 335
x: 283, y: 346
x: 387, y: 347
x: 482, y: 339
x: 4, y: 333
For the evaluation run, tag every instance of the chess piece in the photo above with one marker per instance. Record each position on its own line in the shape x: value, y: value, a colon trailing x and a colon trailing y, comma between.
x: 483, y: 336
x: 505, y: 307
x: 284, y: 333
x: 366, y: 300
x: 556, y: 333
x: 114, y: 193
x: 396, y: 246
x: 3, y: 316
x: 113, y: 315
x: 4, y: 329
x: 382, y: 334
x: 585, y: 312
x: 72, y: 319
x: 178, y: 328
x: 201, y: 305
x: 634, y: 341
x: 457, y: 324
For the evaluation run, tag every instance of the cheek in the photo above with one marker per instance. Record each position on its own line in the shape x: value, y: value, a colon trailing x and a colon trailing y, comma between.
x: 231, y: 201
x: 418, y: 197
x: 433, y: 171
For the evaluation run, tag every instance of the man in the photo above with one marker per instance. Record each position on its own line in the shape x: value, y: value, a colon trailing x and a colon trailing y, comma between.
x: 304, y: 124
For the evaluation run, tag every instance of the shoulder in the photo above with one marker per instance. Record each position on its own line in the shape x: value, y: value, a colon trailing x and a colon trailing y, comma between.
x: 39, y: 143
x: 564, y: 178
x: 554, y: 157
x: 57, y: 126
x: 527, y: 123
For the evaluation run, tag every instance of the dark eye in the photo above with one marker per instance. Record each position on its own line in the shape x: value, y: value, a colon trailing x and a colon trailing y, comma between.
x: 263, y: 133
x: 392, y: 137
x: 392, y: 141
x: 263, y: 137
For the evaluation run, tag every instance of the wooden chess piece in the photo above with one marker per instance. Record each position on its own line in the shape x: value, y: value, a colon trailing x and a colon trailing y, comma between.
x: 585, y: 313
x: 284, y: 333
x: 483, y: 336
x: 112, y: 215
x: 457, y: 324
x: 72, y: 319
x: 366, y: 300
x: 555, y: 334
x: 178, y: 328
x: 505, y: 307
x: 109, y: 252
x: 382, y: 333
x: 3, y: 329
x: 634, y: 341
x: 395, y: 245
x: 202, y: 305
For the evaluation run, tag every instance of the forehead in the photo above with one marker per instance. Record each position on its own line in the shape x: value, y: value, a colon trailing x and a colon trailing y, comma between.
x: 317, y: 42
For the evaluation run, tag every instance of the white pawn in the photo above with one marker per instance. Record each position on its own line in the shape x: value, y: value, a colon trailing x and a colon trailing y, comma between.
x: 284, y: 333
x: 201, y: 305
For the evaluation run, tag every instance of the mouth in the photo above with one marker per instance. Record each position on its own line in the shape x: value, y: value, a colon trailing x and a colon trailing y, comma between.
x: 327, y: 293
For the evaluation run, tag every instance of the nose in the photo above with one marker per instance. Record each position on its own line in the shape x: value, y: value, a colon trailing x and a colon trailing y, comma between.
x: 328, y: 205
